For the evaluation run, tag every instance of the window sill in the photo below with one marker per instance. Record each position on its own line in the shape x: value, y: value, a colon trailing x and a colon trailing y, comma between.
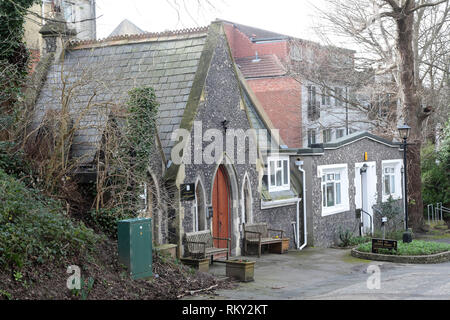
x: 395, y: 197
x: 334, y: 210
x: 279, y: 203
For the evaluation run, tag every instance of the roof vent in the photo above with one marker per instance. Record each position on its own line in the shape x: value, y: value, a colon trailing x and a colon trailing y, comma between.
x: 257, y: 59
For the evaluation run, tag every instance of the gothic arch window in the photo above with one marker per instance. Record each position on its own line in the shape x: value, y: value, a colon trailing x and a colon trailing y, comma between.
x: 150, y: 206
x: 199, y: 222
x: 246, y: 201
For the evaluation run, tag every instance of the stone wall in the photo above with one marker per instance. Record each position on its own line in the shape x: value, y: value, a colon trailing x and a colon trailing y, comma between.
x: 324, y: 230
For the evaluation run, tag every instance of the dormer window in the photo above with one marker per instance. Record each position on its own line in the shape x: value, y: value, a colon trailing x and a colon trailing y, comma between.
x: 278, y: 173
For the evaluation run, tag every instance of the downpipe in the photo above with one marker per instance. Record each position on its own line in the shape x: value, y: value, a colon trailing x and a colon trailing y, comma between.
x: 299, y: 164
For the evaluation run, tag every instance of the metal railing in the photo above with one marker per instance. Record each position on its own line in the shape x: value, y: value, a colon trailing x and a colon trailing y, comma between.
x: 436, y: 213
x: 371, y: 220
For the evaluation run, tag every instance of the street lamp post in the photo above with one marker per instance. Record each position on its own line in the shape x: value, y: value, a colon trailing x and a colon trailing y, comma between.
x: 404, y: 134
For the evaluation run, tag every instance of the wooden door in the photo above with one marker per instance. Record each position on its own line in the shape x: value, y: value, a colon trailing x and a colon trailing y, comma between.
x: 220, y: 202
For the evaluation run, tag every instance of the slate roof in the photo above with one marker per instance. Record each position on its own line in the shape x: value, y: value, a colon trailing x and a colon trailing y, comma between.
x: 264, y: 66
x: 106, y: 70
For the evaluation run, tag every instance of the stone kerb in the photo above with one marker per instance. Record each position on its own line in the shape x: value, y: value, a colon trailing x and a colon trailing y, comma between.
x: 423, y: 259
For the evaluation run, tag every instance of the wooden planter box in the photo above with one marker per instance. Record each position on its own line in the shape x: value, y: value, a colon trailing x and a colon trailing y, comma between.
x: 200, y: 264
x: 282, y: 247
x: 167, y: 249
x: 240, y: 270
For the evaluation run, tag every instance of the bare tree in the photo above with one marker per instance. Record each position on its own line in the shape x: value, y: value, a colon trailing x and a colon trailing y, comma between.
x: 402, y: 50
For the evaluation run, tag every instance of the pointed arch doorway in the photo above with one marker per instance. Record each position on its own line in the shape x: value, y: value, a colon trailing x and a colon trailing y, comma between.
x: 221, y: 207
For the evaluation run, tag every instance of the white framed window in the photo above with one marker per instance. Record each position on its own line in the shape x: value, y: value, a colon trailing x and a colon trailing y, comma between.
x: 326, y: 135
x: 278, y: 173
x: 338, y: 97
x: 340, y: 133
x: 392, y: 179
x: 296, y: 52
x: 326, y: 101
x: 334, y: 188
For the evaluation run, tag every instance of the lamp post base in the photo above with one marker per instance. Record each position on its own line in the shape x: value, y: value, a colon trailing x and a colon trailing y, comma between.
x: 407, y: 237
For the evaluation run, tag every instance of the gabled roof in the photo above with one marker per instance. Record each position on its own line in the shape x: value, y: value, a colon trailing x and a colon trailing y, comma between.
x: 126, y: 27
x: 257, y: 34
x: 261, y: 66
x: 103, y: 72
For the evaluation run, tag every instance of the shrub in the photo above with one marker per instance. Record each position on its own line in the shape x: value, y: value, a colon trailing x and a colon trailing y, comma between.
x: 415, y: 248
x: 33, y: 228
x: 106, y: 220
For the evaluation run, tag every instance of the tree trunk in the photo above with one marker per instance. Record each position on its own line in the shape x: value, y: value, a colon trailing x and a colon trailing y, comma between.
x: 412, y: 113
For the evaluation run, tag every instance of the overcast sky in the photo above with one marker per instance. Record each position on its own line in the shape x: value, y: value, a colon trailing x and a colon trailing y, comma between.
x: 290, y: 17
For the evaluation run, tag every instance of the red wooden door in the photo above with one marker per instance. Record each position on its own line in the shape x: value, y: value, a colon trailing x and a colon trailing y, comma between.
x: 220, y: 208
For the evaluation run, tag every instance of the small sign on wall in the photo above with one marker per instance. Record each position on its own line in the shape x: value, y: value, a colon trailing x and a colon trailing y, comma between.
x: 210, y: 212
x: 187, y: 192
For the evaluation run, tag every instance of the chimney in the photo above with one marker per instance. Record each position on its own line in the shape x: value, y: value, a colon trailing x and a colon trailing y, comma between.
x: 55, y: 33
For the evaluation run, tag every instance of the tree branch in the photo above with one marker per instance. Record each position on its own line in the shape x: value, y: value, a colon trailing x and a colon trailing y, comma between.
x: 431, y: 4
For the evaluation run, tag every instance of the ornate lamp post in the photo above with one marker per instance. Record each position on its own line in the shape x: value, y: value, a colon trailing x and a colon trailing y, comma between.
x: 404, y: 131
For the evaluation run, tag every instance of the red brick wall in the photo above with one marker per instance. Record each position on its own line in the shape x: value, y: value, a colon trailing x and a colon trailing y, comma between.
x: 241, y: 46
x: 281, y: 100
x: 35, y: 56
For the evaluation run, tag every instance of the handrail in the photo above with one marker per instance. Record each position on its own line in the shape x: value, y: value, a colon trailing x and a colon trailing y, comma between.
x: 371, y: 220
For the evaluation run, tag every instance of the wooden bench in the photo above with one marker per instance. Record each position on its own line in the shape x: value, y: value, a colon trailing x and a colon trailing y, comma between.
x: 200, y: 245
x: 258, y: 233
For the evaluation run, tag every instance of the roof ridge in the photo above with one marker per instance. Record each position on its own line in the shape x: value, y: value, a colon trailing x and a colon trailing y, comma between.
x: 141, y: 36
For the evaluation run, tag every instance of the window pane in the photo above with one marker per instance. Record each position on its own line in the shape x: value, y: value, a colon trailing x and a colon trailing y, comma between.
x: 324, y: 196
x: 386, y: 185
x: 279, y: 164
x: 392, y: 184
x: 285, y: 171
x: 272, y: 173
x: 278, y: 178
x: 337, y: 176
x: 338, y: 193
x: 330, y: 194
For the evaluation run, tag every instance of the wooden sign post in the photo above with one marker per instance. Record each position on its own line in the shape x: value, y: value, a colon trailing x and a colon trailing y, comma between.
x: 378, y: 244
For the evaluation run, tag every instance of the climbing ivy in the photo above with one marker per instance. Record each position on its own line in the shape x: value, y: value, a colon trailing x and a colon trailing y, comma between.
x: 126, y: 155
x: 141, y: 126
x: 12, y: 20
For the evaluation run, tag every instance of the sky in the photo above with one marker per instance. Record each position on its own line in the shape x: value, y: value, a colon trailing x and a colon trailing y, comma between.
x: 290, y: 17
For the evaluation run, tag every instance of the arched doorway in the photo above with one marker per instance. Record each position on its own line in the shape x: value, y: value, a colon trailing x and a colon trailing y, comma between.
x: 221, y: 207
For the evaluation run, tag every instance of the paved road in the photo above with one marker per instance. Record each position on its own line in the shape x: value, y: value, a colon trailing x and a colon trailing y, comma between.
x: 333, y: 274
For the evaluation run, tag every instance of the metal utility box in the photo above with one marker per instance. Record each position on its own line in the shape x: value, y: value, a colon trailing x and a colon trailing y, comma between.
x: 135, y: 246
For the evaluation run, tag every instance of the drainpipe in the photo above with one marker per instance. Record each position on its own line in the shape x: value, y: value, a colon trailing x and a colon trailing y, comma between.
x: 299, y: 164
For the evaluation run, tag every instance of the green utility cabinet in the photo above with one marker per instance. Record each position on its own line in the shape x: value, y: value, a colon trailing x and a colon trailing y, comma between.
x: 135, y: 246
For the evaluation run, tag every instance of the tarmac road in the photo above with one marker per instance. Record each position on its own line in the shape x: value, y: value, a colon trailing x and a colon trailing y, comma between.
x: 323, y: 274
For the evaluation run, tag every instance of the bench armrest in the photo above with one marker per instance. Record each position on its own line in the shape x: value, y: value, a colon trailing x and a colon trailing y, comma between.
x: 245, y: 231
x: 197, y: 242
x: 275, y: 230
x: 227, y: 239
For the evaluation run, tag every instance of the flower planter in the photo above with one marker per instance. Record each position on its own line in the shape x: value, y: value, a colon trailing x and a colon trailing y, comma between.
x: 200, y: 264
x: 242, y: 270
